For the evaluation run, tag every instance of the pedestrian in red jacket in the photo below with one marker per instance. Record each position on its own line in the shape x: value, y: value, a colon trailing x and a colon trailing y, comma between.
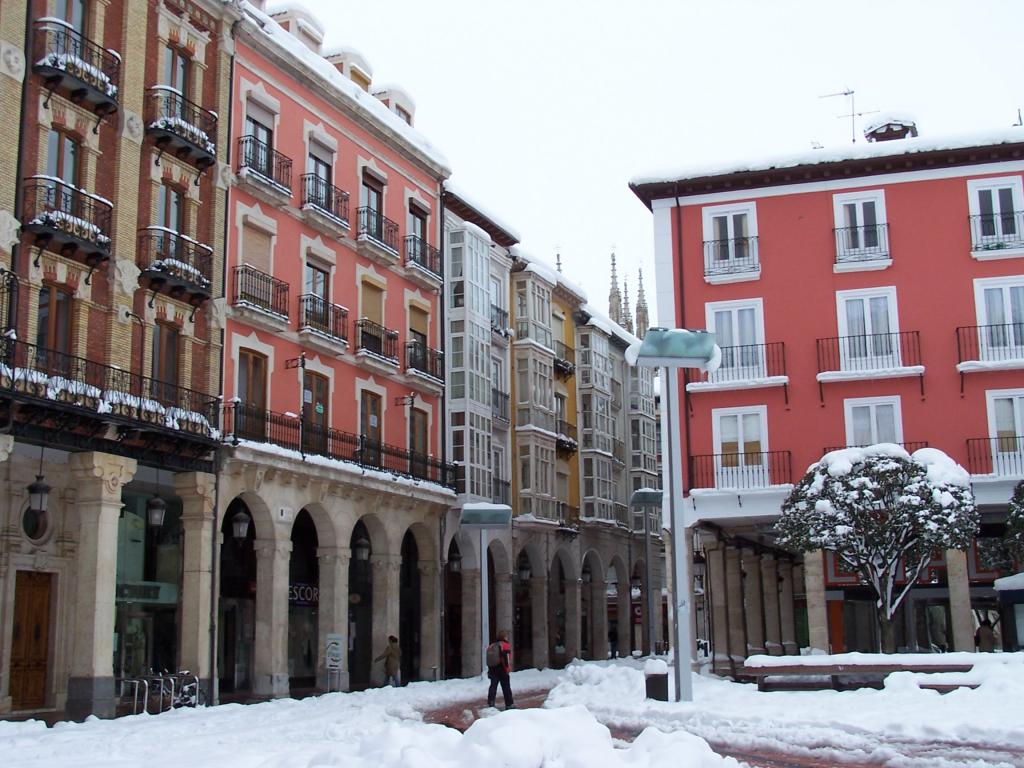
x: 499, y: 667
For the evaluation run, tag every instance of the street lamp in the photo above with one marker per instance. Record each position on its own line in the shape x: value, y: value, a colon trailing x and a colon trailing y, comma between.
x: 240, y: 526
x: 362, y: 550
x: 455, y: 562
x: 483, y: 517
x: 671, y: 349
x: 644, y: 498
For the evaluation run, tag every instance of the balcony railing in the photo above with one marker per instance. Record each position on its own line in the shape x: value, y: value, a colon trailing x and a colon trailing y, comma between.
x: 738, y: 471
x: 46, y: 375
x: 175, y: 261
x: 869, y: 352
x: 260, y: 290
x: 733, y: 255
x: 90, y: 72
x: 997, y: 231
x: 865, y: 243
x: 566, y: 513
x: 499, y: 318
x: 317, y: 192
x: 418, y: 251
x: 420, y: 357
x: 748, y: 362
x: 568, y: 429
x: 501, y: 491
x: 374, y: 338
x: 67, y: 217
x: 499, y: 405
x: 619, y: 450
x: 181, y: 125
x: 262, y: 159
x: 565, y: 358
x: 990, y: 343
x: 1002, y: 456
x: 909, y: 447
x: 318, y: 314
x: 243, y: 422
x: 376, y: 226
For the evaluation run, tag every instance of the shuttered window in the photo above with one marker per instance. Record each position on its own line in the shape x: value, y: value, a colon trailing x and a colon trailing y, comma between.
x: 256, y: 248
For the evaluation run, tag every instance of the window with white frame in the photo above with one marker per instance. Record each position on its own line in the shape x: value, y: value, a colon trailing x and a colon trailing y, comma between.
x: 741, y: 445
x: 996, y: 214
x: 868, y: 329
x: 730, y: 238
x: 872, y: 420
x: 739, y: 332
x: 1000, y: 307
x: 1006, y: 430
x: 861, y: 230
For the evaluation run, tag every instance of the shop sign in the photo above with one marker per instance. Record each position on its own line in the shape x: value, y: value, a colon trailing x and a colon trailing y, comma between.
x: 332, y: 652
x: 303, y: 594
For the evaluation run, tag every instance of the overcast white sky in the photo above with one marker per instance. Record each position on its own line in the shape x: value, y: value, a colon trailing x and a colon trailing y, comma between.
x: 545, y: 110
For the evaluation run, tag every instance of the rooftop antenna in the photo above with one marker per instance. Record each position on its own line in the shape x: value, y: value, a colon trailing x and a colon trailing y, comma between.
x: 853, y: 113
x: 1020, y: 121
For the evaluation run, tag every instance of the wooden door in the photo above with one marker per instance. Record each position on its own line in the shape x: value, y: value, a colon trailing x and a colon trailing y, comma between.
x: 31, y: 647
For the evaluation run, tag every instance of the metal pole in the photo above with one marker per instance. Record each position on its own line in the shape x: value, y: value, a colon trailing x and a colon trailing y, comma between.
x: 484, y: 606
x: 648, y: 584
x: 680, y: 565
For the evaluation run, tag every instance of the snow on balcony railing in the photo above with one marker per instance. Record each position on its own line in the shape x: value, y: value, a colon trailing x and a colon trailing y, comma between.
x: 54, y: 204
x: 178, y: 255
x: 67, y: 50
x: 169, y: 110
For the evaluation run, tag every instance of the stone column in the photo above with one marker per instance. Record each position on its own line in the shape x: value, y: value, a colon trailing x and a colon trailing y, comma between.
x: 817, y: 611
x: 770, y: 590
x: 572, y: 619
x: 598, y: 617
x: 430, y: 629
x: 753, y: 602
x: 196, y: 491
x: 332, y: 614
x: 386, y: 570
x: 471, y: 642
x: 625, y: 613
x: 539, y: 605
x: 960, y: 600
x: 98, y: 479
x: 734, y: 606
x: 659, y: 575
x: 270, y: 651
x: 716, y: 601
x: 787, y: 611
x: 505, y: 597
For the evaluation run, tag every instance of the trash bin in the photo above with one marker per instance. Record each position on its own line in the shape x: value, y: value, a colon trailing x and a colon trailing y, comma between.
x: 656, y: 678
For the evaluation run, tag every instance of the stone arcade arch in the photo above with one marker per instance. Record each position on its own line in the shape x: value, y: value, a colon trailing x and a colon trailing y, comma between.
x: 618, y: 597
x: 453, y: 630
x: 593, y: 608
x: 303, y: 604
x: 563, y: 609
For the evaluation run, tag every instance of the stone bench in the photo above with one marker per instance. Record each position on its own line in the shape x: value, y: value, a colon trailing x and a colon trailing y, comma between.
x: 806, y: 675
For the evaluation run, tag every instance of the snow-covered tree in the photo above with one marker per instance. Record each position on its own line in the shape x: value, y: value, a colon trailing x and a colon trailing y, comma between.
x: 885, y: 514
x: 1015, y: 523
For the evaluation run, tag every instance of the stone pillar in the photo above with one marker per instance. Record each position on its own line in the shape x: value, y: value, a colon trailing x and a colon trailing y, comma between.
x: 572, y: 619
x: 270, y: 652
x: 787, y: 609
x: 539, y: 605
x: 98, y: 479
x: 430, y: 629
x: 817, y: 611
x: 960, y: 600
x: 753, y: 601
x: 598, y: 616
x: 505, y: 597
x: 196, y: 491
x: 734, y: 606
x: 386, y: 570
x: 659, y: 575
x: 332, y: 615
x: 716, y: 601
x: 770, y: 590
x: 471, y: 643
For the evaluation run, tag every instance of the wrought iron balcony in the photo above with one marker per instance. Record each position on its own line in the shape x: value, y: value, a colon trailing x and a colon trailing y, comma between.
x: 909, y: 447
x: 991, y: 343
x: 318, y: 314
x: 997, y: 231
x: 565, y: 358
x: 499, y: 319
x: 499, y: 405
x: 869, y: 242
x: 265, y: 162
x: 501, y: 491
x: 377, y: 227
x: 567, y: 437
x: 176, y: 264
x: 566, y: 513
x: 1000, y: 456
x: 745, y: 363
x: 325, y: 197
x: 244, y: 422
x: 72, y: 63
x: 67, y: 219
x: 424, y: 255
x: 181, y: 127
x: 730, y: 256
x: 568, y: 429
x: 420, y: 357
x: 261, y: 291
x: 869, y: 352
x: 739, y: 471
x: 377, y: 340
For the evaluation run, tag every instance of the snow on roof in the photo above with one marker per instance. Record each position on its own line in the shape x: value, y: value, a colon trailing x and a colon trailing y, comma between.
x: 847, y: 152
x: 600, y: 320
x: 300, y: 11
x: 1008, y: 583
x: 548, y: 273
x: 457, y: 191
x: 377, y: 110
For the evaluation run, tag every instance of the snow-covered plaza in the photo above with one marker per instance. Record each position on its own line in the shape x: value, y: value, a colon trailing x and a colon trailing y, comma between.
x: 901, y: 725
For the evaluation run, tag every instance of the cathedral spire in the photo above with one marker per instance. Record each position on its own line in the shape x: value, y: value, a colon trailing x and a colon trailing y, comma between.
x: 614, y: 298
x: 627, y: 320
x: 643, y: 321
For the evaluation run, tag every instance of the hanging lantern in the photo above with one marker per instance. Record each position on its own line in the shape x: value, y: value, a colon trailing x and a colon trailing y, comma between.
x: 38, y: 496
x: 240, y: 526
x: 587, y: 577
x: 455, y: 562
x: 156, y: 508
x: 525, y: 572
x: 362, y: 550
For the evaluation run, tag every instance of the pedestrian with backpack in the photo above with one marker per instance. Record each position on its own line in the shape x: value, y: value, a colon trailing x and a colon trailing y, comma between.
x: 499, y: 667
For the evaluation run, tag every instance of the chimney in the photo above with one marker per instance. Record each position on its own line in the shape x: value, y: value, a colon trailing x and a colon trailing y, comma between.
x: 398, y: 101
x: 353, y: 65
x: 887, y: 127
x: 300, y: 24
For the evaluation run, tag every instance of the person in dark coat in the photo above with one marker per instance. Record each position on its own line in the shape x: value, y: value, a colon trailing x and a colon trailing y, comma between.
x: 500, y: 672
x: 392, y: 657
x: 985, y: 637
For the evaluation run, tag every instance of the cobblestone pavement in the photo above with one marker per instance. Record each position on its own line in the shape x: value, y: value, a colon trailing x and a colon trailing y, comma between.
x: 807, y: 750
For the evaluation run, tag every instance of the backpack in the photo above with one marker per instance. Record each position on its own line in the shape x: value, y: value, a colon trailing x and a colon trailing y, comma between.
x: 494, y: 655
